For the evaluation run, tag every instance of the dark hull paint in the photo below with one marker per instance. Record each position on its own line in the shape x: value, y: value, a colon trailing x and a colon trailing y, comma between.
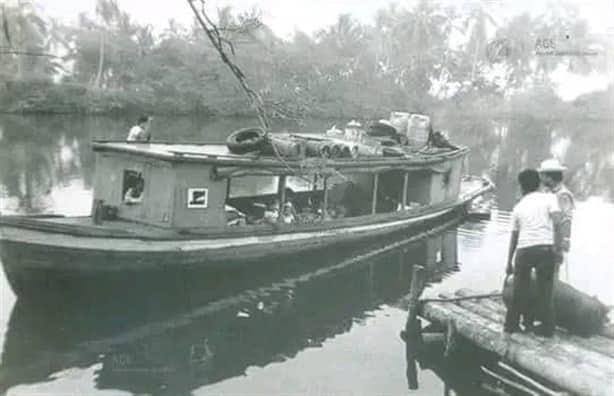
x: 38, y: 270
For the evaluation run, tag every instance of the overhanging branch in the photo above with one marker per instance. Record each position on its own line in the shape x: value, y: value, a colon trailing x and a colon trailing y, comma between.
x: 215, y: 37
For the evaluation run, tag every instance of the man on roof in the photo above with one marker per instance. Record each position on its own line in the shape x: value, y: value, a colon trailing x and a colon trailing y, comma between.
x: 140, y: 132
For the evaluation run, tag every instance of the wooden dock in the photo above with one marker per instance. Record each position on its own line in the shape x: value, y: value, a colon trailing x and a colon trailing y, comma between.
x: 573, y: 364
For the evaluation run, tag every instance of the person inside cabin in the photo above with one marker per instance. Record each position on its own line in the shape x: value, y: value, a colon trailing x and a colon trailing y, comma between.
x: 290, y: 200
x: 288, y: 215
x: 271, y: 214
x: 551, y: 174
x: 140, y: 132
x: 134, y: 194
x: 534, y: 244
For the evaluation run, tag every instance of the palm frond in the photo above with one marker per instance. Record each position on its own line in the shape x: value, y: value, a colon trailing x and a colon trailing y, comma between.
x: 5, y: 27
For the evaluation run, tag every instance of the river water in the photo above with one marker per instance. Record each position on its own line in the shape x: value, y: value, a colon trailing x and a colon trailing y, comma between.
x: 326, y: 324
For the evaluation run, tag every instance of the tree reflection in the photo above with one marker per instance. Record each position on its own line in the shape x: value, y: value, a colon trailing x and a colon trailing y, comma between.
x: 37, y: 154
x: 186, y: 339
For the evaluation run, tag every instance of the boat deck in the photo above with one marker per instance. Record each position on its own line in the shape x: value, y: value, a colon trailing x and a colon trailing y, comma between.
x: 583, y: 366
x: 118, y: 226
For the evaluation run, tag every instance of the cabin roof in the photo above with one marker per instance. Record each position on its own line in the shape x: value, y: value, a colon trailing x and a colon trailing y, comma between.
x: 218, y: 154
x: 170, y: 150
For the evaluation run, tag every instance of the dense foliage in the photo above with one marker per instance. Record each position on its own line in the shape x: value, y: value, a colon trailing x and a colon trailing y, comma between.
x: 419, y: 59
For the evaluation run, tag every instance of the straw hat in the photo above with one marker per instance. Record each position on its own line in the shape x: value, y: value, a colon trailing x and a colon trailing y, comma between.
x: 551, y: 165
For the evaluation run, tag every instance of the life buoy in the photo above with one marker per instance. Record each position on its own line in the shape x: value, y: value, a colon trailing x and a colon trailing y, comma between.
x: 245, y: 140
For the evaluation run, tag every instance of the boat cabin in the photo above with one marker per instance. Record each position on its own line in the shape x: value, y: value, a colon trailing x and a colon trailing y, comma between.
x: 185, y: 186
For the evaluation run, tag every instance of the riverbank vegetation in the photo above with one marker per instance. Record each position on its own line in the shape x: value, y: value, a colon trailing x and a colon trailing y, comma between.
x: 428, y: 58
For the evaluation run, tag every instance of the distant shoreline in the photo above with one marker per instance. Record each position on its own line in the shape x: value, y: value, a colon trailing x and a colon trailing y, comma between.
x: 48, y: 98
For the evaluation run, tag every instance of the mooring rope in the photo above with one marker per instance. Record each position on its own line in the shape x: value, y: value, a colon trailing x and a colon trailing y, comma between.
x: 462, y: 298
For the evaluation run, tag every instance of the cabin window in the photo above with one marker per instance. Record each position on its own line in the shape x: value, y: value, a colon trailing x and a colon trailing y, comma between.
x: 251, y: 186
x: 133, y: 187
x: 198, y: 197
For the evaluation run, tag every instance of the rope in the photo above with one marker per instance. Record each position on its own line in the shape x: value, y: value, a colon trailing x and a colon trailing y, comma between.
x: 463, y: 298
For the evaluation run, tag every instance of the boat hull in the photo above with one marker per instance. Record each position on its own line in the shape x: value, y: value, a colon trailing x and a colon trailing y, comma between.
x: 35, y: 258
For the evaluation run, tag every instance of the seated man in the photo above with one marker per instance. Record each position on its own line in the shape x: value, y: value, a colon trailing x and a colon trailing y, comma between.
x: 134, y: 195
x: 271, y: 214
x: 287, y: 215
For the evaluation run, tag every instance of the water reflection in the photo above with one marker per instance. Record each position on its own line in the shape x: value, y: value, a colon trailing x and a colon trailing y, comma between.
x: 184, y: 331
x: 183, y: 338
x: 38, y: 156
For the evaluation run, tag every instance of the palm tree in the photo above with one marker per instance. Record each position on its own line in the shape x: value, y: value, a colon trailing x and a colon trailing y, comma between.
x: 24, y: 32
x: 476, y: 24
x: 106, y: 10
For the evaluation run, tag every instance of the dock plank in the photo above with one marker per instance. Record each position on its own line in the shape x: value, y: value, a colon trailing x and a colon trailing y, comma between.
x: 563, y: 344
x: 559, y: 360
x: 598, y: 344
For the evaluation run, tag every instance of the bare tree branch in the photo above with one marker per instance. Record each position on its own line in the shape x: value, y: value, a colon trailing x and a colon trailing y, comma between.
x: 27, y: 53
x: 213, y: 34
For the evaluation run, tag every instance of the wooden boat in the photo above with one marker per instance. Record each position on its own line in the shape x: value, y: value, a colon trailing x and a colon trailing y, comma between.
x: 160, y: 204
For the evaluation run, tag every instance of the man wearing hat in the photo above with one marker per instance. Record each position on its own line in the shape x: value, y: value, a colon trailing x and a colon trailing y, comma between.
x: 551, y: 174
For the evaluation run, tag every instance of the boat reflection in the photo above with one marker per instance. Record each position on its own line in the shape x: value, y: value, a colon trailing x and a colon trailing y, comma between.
x: 183, y: 339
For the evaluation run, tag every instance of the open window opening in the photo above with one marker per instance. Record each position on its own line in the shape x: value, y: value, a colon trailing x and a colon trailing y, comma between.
x: 133, y: 187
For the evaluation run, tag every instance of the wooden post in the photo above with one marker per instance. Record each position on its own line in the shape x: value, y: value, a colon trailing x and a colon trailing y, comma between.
x: 325, y: 203
x: 281, y: 190
x: 315, y: 185
x: 281, y: 194
x: 405, y: 183
x: 450, y: 345
x: 374, y: 201
x: 412, y: 327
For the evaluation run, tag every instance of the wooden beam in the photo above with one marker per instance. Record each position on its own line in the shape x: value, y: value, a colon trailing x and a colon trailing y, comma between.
x: 405, y: 185
x: 374, y: 199
x: 509, y: 382
x: 530, y: 381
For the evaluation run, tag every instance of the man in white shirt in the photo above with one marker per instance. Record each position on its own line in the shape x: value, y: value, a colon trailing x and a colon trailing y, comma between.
x: 140, y: 132
x: 536, y: 245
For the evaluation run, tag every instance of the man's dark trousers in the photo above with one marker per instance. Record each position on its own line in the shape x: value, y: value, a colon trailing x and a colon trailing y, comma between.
x: 542, y: 259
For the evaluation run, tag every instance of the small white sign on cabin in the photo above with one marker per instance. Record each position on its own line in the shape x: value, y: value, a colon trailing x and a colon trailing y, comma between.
x: 198, y: 197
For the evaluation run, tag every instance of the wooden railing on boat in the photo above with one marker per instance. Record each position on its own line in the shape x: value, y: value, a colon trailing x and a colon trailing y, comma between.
x: 111, y: 228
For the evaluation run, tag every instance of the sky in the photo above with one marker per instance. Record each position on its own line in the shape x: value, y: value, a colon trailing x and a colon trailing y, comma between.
x: 284, y: 16
x: 287, y: 16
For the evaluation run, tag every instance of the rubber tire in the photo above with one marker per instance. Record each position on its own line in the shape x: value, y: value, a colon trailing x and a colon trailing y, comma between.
x: 246, y: 140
